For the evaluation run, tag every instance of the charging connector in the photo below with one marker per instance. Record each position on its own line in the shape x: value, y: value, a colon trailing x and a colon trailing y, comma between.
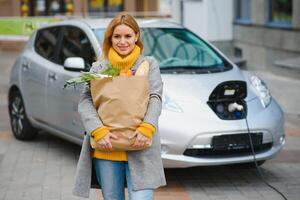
x: 235, y: 106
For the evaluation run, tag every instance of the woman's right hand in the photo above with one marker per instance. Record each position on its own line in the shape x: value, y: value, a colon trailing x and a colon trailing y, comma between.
x: 105, y: 143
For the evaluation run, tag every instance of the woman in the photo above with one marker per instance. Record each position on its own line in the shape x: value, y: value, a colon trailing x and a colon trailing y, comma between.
x: 142, y: 171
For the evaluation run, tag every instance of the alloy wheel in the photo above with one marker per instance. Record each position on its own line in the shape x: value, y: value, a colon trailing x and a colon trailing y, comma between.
x: 17, y: 115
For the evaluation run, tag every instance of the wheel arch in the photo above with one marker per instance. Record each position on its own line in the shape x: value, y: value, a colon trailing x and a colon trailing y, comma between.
x: 27, y: 131
x: 13, y: 89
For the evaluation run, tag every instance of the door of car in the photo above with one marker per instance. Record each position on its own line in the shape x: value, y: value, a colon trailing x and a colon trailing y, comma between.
x: 35, y: 63
x: 62, y: 103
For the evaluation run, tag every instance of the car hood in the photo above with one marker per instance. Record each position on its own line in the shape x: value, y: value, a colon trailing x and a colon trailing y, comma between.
x: 198, y: 87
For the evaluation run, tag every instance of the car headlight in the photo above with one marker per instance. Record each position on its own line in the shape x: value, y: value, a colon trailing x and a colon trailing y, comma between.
x: 261, y: 90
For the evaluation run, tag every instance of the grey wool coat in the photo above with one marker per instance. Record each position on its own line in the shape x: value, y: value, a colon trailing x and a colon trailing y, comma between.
x: 145, y: 166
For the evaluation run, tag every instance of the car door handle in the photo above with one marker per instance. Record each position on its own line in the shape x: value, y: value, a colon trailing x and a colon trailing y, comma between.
x: 52, y: 76
x: 25, y: 66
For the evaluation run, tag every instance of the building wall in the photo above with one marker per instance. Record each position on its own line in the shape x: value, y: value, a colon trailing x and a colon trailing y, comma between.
x: 296, y: 14
x: 220, y: 15
x: 262, y: 45
x: 9, y: 8
x: 210, y: 19
x: 5, y: 8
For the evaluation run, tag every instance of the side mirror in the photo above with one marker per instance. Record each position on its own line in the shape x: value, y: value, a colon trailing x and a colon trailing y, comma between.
x: 74, y: 64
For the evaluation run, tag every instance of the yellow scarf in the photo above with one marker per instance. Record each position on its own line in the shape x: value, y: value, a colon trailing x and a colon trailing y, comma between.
x: 123, y: 64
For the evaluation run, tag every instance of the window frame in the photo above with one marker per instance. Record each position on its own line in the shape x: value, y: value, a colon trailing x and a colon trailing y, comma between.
x: 238, y: 18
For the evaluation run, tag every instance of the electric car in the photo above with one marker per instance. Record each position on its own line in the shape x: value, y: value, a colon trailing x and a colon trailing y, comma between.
x: 213, y: 112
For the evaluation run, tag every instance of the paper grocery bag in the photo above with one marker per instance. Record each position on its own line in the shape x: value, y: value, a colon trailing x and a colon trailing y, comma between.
x: 121, y: 103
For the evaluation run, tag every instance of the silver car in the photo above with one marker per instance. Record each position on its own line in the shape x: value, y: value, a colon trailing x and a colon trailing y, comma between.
x: 213, y: 113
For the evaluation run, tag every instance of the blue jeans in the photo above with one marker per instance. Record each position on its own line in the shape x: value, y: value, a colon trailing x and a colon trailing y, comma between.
x: 112, y: 176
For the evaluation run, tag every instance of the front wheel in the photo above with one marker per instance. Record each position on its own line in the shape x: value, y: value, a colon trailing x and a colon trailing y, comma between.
x: 20, y: 125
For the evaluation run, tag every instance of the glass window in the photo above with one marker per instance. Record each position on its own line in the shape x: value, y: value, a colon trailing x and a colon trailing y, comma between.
x: 99, y: 34
x: 46, y: 42
x: 115, y: 5
x: 243, y: 10
x: 178, y: 48
x: 75, y: 43
x: 98, y: 6
x: 280, y: 12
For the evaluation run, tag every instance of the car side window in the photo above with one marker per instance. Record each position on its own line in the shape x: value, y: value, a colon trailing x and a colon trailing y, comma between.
x: 75, y: 43
x: 46, y: 42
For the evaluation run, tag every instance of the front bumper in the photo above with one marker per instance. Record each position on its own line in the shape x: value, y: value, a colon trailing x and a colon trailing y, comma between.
x: 181, y: 161
x: 270, y: 121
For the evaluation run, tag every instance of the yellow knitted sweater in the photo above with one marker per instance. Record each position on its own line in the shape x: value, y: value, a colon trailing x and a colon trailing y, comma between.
x: 145, y: 128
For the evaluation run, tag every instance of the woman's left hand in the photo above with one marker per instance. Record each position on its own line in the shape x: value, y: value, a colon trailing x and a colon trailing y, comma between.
x: 140, y: 140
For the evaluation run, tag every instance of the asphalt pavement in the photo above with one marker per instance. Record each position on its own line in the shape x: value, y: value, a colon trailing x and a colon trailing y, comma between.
x: 43, y: 169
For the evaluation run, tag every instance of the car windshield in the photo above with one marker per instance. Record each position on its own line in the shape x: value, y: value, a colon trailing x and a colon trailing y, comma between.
x: 179, y: 50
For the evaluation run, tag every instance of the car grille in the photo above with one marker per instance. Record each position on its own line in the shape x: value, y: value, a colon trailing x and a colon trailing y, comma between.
x: 205, y: 153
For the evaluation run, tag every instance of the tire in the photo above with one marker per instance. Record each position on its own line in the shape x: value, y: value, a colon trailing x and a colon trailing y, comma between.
x: 20, y: 125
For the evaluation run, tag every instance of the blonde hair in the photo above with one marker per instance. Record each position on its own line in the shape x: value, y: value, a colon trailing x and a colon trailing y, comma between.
x: 121, y: 18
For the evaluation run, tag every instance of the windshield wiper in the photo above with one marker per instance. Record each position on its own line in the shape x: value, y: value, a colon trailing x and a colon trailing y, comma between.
x: 190, y: 70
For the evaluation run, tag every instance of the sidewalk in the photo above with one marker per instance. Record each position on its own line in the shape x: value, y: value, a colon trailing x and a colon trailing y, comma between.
x: 12, y: 43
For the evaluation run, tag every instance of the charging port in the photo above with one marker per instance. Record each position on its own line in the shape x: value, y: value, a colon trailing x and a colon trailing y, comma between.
x: 228, y: 100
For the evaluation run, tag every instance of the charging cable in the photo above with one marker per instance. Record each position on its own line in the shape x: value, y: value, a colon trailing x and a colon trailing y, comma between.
x: 256, y: 166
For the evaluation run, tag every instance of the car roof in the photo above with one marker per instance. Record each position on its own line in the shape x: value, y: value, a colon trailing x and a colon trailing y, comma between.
x: 96, y: 23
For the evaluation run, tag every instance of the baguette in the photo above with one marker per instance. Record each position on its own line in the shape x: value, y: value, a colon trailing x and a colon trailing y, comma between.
x: 143, y: 69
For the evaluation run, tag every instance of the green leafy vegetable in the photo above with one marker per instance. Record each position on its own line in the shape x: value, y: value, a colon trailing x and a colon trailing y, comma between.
x: 111, y: 71
x: 86, y: 77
